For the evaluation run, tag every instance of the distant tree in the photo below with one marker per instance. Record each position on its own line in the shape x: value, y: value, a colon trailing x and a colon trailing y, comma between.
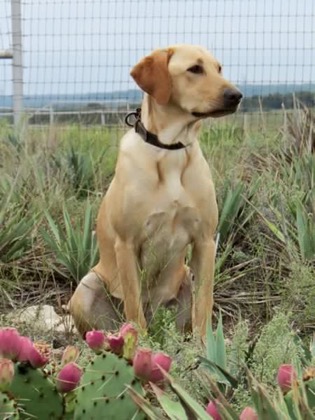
x: 275, y: 101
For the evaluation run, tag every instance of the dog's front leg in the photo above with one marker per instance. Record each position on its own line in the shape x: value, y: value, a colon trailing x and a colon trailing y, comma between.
x: 129, y: 281
x: 202, y: 264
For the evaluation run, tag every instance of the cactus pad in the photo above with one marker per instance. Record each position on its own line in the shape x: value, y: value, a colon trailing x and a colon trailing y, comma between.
x: 103, y: 392
x: 35, y: 394
x: 8, y: 409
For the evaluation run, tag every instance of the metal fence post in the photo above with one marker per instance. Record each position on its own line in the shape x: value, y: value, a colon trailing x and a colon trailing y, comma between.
x: 17, y: 65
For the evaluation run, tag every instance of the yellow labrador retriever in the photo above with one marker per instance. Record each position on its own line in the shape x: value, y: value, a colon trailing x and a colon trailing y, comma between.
x: 160, y: 201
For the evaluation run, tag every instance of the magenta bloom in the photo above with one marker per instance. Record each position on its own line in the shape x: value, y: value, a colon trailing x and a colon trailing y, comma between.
x: 68, y: 378
x: 95, y: 340
x: 159, y: 360
x: 9, y: 343
x: 142, y: 364
x: 116, y: 343
x: 213, y: 411
x: 248, y: 414
x: 127, y: 328
x: 29, y: 353
x: 130, y: 336
x: 285, y: 377
x: 6, y: 374
x: 25, y: 346
x: 36, y: 358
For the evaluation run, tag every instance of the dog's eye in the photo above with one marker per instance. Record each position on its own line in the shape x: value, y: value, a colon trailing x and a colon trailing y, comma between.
x: 196, y: 69
x: 220, y: 69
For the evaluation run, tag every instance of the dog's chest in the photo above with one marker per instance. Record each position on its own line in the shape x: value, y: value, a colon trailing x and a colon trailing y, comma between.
x: 172, y: 223
x: 176, y: 219
x: 175, y: 205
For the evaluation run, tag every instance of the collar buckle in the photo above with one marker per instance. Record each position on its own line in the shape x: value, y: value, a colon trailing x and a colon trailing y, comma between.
x: 136, y: 114
x: 146, y: 135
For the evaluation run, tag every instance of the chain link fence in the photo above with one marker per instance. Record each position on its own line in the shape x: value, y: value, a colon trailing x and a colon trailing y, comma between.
x: 76, y: 55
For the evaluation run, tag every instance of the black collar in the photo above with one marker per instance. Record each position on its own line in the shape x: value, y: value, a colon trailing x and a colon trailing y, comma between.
x: 146, y: 135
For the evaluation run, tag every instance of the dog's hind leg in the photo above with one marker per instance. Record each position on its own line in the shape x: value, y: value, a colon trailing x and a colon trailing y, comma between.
x: 92, y: 307
x: 184, y: 302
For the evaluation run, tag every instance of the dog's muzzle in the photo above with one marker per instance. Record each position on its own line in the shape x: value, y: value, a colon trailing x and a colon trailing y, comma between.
x: 231, y: 98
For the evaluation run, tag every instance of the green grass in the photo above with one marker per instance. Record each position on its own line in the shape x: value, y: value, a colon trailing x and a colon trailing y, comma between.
x: 52, y: 180
x: 266, y: 202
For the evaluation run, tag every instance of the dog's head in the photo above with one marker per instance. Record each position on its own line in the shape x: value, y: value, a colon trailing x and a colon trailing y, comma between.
x: 188, y: 77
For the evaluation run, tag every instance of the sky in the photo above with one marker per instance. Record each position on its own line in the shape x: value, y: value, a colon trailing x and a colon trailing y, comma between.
x: 86, y: 46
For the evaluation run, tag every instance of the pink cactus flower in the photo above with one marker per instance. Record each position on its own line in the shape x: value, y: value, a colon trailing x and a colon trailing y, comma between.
x: 95, y: 340
x: 142, y: 363
x: 36, y: 358
x: 116, y: 343
x: 6, y: 374
x: 68, y: 378
x: 9, y: 343
x: 285, y: 377
x: 25, y: 346
x: 129, y: 333
x: 248, y: 414
x: 70, y: 354
x: 128, y: 328
x: 29, y: 353
x: 162, y: 360
x: 213, y: 411
x: 130, y: 336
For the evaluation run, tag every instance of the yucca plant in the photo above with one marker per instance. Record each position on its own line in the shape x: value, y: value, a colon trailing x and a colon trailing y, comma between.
x: 16, y: 225
x: 290, y: 396
x: 292, y: 222
x: 216, y: 361
x: 15, y: 237
x: 299, y: 129
x: 305, y: 226
x: 74, y: 245
x: 79, y: 169
x: 232, y: 204
x: 235, y: 215
x: 301, y: 172
x: 15, y: 141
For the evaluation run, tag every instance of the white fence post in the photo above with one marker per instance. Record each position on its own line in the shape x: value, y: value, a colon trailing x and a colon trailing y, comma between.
x: 51, y: 115
x: 17, y: 65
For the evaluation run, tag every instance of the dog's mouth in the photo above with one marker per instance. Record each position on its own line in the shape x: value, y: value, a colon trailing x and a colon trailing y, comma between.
x: 215, y: 114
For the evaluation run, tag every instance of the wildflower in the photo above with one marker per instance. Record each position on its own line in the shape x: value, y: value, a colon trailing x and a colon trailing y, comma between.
x: 69, y: 377
x: 213, y: 411
x: 285, y: 377
x: 95, y: 340
x: 25, y: 346
x: 116, y: 343
x: 159, y: 360
x: 130, y: 336
x: 36, y: 358
x: 142, y: 363
x: 9, y: 343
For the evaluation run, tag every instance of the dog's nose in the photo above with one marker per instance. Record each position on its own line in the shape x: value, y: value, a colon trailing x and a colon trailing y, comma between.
x: 232, y: 97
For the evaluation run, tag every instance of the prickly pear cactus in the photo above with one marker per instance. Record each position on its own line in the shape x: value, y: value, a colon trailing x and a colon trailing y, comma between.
x: 103, y: 392
x: 7, y: 408
x: 308, y: 391
x: 35, y: 394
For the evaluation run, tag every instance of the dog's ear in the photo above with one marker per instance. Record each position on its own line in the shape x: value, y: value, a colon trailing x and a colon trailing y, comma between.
x: 151, y: 75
